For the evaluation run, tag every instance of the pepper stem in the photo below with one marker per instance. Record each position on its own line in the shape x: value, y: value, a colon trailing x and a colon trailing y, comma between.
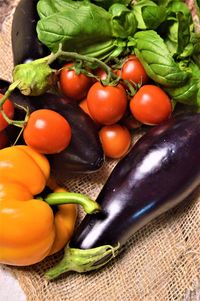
x: 82, y: 261
x: 60, y: 198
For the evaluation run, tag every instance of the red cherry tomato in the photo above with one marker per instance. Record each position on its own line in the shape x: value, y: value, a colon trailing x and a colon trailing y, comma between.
x: 74, y: 86
x: 84, y: 106
x: 151, y: 105
x: 47, y: 131
x: 101, y: 74
x: 8, y: 108
x: 106, y: 104
x: 115, y: 139
x: 3, y: 140
x: 133, y: 71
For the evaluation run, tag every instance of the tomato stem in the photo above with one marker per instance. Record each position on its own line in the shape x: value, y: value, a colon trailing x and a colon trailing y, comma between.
x: 74, y: 55
x: 60, y: 198
x: 18, y: 123
x: 11, y: 88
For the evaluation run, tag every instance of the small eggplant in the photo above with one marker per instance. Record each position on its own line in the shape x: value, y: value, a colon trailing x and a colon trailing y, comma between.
x: 161, y: 170
x: 18, y: 99
x: 25, y: 44
x: 84, y: 154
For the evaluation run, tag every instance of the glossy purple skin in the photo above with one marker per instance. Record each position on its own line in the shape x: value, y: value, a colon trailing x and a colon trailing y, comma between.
x: 25, y: 44
x: 84, y: 154
x: 160, y: 171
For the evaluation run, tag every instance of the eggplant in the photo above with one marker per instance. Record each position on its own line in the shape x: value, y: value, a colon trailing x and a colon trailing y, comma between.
x: 84, y: 154
x: 18, y: 99
x: 161, y: 170
x: 25, y: 44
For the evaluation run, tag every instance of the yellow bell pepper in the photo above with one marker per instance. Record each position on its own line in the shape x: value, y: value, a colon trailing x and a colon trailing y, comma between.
x: 29, y: 229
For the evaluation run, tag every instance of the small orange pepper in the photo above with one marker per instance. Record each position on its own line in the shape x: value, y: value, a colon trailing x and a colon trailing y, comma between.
x: 29, y: 229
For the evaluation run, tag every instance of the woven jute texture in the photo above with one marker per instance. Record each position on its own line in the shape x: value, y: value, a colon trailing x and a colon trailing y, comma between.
x: 161, y: 262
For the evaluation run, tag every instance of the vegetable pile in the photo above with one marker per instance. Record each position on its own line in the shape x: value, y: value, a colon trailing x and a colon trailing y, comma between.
x: 98, y: 71
x: 132, y: 66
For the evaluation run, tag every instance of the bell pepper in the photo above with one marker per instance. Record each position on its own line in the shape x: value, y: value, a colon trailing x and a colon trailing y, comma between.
x: 29, y: 228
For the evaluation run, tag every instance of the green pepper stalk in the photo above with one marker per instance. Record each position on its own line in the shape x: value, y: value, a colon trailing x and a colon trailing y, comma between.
x: 60, y: 198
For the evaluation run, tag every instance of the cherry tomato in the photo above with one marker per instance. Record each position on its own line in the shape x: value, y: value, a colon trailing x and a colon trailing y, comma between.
x: 84, y: 106
x: 106, y: 104
x: 101, y: 73
x: 133, y: 71
x: 47, y: 131
x: 8, y: 108
x: 3, y: 140
x: 151, y: 105
x: 74, y: 86
x: 115, y: 139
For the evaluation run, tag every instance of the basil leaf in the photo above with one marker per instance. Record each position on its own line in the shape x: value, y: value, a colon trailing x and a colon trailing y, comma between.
x: 153, y: 16
x: 163, y: 2
x: 107, y: 3
x: 138, y: 7
x: 183, y: 32
x: 196, y: 53
x: 157, y: 59
x: 47, y: 8
x: 179, y: 6
x: 72, y: 28
x: 124, y: 22
x: 178, y: 35
x: 186, y: 94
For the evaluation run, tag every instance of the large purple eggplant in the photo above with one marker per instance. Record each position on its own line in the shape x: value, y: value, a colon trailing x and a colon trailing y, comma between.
x: 84, y: 154
x: 25, y: 44
x: 161, y: 170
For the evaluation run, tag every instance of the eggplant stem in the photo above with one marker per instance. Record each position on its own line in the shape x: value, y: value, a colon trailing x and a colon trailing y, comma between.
x: 60, y: 198
x: 82, y: 261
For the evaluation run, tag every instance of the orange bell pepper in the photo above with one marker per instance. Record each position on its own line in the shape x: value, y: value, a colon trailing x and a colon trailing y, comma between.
x: 29, y: 229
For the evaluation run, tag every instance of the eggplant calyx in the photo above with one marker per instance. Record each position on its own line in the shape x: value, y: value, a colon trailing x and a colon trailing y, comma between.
x: 82, y: 261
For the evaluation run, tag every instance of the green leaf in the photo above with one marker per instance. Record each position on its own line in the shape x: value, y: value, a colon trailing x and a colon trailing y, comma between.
x: 124, y: 23
x: 72, y: 28
x: 175, y: 7
x: 177, y: 28
x: 188, y: 93
x: 47, y: 8
x: 138, y: 7
x: 157, y: 59
x: 153, y: 16
x: 183, y: 32
x: 107, y: 3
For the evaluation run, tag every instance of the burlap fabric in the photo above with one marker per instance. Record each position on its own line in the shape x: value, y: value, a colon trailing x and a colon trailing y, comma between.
x: 161, y: 262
